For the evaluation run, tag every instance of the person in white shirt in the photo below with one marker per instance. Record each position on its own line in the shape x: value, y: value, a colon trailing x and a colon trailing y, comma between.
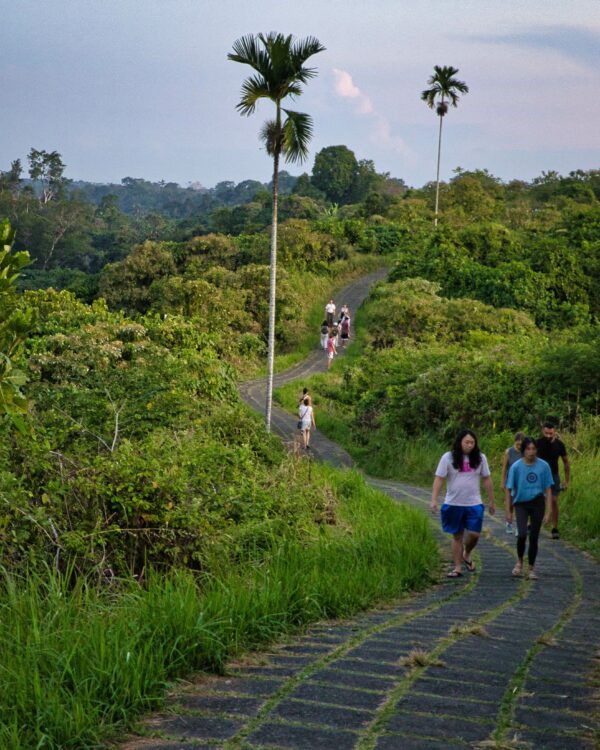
x: 307, y: 420
x: 464, y: 469
x: 330, y: 312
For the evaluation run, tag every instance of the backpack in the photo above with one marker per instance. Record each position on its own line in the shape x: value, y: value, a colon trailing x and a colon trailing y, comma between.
x: 324, y: 330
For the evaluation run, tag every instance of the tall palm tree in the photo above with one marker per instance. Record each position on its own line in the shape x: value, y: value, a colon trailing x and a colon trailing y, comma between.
x: 444, y: 88
x: 278, y: 62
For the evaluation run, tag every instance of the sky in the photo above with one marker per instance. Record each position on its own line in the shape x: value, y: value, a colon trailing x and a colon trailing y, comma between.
x: 143, y: 88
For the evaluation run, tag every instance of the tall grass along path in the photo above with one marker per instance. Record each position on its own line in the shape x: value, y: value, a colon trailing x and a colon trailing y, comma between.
x: 483, y: 661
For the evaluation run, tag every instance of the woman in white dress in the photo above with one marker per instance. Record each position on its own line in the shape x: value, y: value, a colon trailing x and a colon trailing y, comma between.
x: 307, y: 421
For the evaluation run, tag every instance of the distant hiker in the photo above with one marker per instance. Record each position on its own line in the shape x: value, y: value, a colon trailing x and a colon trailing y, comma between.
x: 529, y: 492
x: 324, y: 334
x: 330, y: 312
x: 335, y: 329
x: 510, y: 456
x: 305, y: 395
x: 345, y: 330
x: 549, y: 449
x: 464, y: 469
x: 307, y: 420
x: 331, y: 349
x: 344, y: 312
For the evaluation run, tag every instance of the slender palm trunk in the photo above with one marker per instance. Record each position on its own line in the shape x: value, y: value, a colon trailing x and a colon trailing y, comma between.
x: 272, y: 286
x: 437, y: 179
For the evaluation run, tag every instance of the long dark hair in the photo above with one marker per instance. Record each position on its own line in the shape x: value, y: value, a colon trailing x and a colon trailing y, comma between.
x: 457, y: 451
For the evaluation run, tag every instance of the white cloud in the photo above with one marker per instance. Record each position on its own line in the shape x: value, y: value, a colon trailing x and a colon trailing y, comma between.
x: 347, y: 89
x: 382, y: 132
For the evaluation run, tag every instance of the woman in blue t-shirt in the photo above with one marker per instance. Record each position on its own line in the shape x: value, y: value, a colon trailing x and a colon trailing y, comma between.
x: 528, y: 490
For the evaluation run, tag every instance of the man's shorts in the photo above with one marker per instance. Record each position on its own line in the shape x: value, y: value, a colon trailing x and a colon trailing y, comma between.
x: 457, y: 518
x: 555, y: 484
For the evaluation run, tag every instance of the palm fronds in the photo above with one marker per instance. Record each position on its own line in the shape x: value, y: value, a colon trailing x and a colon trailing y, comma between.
x: 297, y: 132
x: 444, y: 86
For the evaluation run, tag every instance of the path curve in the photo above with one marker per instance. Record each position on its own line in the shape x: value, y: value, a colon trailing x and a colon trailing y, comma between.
x: 523, y: 673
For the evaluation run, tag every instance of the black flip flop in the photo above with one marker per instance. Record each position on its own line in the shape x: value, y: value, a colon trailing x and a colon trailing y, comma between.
x: 469, y: 565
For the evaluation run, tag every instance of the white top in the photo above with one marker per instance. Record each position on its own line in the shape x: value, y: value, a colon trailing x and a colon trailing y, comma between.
x: 305, y: 414
x: 330, y: 307
x: 462, y: 487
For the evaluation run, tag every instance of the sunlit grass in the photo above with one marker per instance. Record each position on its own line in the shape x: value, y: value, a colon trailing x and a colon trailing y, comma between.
x: 78, y: 661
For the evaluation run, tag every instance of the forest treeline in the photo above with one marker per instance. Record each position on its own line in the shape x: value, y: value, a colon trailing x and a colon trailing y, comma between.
x: 490, y: 228
x: 133, y: 350
x: 81, y: 226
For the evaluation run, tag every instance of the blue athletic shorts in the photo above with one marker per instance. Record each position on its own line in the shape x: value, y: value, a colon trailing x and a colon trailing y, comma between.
x: 556, y: 484
x: 457, y: 518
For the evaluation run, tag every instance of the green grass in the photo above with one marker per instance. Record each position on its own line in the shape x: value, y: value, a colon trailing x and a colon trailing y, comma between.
x: 80, y: 662
x: 580, y: 505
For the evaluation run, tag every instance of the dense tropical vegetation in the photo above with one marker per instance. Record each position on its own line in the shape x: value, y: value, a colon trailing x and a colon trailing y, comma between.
x: 491, y: 321
x: 130, y: 472
x: 139, y: 499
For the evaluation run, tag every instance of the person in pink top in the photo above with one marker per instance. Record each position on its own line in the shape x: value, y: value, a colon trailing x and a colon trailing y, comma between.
x: 464, y: 469
x: 331, y: 350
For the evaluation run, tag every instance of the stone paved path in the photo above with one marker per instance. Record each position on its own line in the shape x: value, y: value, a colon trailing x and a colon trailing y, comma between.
x: 482, y: 661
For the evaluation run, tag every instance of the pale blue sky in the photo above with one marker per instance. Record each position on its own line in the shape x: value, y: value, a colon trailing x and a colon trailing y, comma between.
x: 142, y: 88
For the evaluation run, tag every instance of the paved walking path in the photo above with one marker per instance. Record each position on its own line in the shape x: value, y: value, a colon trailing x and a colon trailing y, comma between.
x: 500, y: 659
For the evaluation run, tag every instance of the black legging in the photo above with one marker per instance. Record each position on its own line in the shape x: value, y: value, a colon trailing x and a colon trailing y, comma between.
x: 534, y: 510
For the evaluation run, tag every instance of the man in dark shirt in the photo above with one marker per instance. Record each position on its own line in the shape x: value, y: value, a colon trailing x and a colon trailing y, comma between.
x: 550, y: 449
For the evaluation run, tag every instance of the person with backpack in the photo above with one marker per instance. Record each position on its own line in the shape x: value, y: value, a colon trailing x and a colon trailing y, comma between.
x: 324, y: 334
x: 335, y: 329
